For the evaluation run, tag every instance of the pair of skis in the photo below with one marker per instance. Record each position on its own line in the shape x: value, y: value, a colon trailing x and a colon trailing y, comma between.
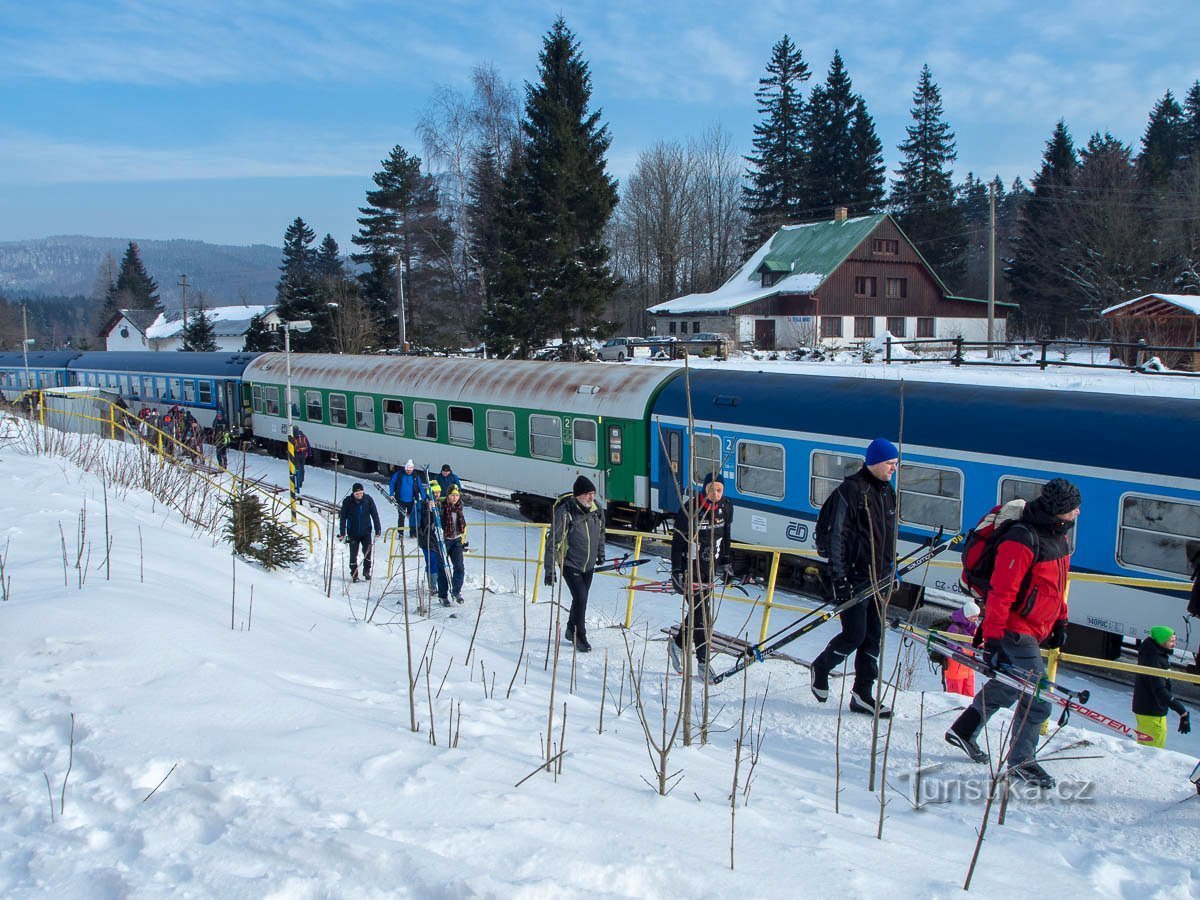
x: 822, y: 614
x: 1040, y: 688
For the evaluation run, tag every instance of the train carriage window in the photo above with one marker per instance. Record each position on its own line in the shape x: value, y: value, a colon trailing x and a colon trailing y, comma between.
x: 314, y: 409
x: 760, y: 469
x: 706, y: 456
x: 501, y: 430
x: 189, y: 391
x: 393, y: 415
x: 337, y: 409
x: 827, y: 471
x: 930, y: 496
x: 294, y: 396
x: 545, y: 437
x: 364, y: 413
x: 462, y: 425
x: 160, y: 389
x: 256, y: 398
x: 1027, y: 489
x: 175, y: 392
x: 425, y: 421
x: 147, y: 387
x: 1158, y: 534
x: 206, y: 392
x: 583, y: 437
x: 270, y: 401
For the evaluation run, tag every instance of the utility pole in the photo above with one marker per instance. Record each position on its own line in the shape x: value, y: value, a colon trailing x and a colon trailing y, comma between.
x: 991, y: 331
x: 183, y: 282
x: 400, y: 297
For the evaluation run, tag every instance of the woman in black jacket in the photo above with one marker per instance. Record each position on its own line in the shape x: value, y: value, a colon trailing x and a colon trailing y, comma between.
x: 1151, y: 694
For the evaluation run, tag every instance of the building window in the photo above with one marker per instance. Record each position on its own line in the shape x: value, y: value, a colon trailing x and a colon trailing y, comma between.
x: 895, y: 326
x: 885, y: 246
x: 585, y: 443
x: 925, y: 327
x: 501, y: 430
x: 931, y: 496
x: 770, y: 279
x: 1157, y: 533
x: 706, y: 456
x: 337, y: 409
x: 695, y: 328
x: 897, y: 288
x: 364, y: 413
x: 864, y: 285
x: 831, y: 326
x: 671, y: 328
x: 864, y: 326
x: 760, y: 469
x: 425, y: 421
x: 393, y: 415
x: 312, y: 406
x: 462, y: 425
x: 545, y: 437
x: 828, y: 470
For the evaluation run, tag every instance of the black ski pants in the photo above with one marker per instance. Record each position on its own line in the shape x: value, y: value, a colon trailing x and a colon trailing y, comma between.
x: 367, y: 546
x: 578, y: 583
x: 861, y: 632
x: 701, y: 614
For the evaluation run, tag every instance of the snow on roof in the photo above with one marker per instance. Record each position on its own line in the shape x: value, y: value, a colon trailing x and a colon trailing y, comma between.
x: 227, y: 321
x: 1189, y: 302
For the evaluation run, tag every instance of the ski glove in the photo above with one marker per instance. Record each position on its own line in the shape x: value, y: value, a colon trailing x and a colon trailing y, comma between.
x: 549, y: 578
x: 1185, y: 724
x: 727, y: 573
x: 1058, y: 636
x: 678, y: 582
x: 994, y: 656
x: 977, y: 639
x: 842, y: 590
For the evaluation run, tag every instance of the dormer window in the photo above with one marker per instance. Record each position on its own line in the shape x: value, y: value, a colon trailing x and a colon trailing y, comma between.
x: 770, y: 279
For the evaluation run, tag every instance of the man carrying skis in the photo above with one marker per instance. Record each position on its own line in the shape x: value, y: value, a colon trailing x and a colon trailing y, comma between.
x: 1026, y: 606
x: 454, y: 530
x: 700, y: 541
x: 405, y: 489
x: 427, y: 523
x: 576, y: 545
x: 355, y: 520
x: 862, y: 546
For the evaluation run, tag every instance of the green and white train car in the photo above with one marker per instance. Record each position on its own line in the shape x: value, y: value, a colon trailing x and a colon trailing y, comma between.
x: 529, y: 426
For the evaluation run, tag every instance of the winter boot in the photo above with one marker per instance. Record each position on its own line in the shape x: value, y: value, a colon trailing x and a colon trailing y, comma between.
x: 676, y: 656
x: 581, y: 644
x: 1031, y: 773
x: 445, y: 600
x: 820, y: 680
x: 962, y: 735
x: 458, y: 598
x: 569, y: 634
x: 862, y: 702
x: 703, y: 672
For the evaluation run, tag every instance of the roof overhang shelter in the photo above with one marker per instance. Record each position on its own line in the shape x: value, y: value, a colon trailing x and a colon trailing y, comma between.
x: 1160, y: 320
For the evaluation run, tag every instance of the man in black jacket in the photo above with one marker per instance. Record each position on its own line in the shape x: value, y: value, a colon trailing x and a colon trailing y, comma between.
x: 355, y: 520
x: 862, y: 542
x: 702, y: 536
x: 575, y: 546
x: 1152, y: 695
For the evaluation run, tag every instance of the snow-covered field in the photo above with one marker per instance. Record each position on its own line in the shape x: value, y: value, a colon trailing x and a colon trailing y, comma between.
x: 291, y: 770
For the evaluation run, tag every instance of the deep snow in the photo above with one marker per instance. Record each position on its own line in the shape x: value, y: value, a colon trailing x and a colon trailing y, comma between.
x: 296, y: 774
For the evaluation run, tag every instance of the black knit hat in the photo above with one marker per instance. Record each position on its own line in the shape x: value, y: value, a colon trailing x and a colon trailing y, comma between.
x: 357, y: 487
x: 713, y: 476
x: 1060, y: 496
x: 583, y: 485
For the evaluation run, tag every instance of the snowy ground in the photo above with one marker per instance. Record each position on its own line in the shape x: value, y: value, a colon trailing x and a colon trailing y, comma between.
x: 291, y: 769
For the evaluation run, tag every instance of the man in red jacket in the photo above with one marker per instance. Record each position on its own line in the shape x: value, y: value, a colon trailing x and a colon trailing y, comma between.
x: 1026, y: 607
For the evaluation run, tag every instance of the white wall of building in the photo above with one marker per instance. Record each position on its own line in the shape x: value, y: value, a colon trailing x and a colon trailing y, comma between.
x: 125, y: 337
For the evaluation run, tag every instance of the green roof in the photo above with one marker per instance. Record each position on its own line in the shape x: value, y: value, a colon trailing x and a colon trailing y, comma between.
x: 818, y: 248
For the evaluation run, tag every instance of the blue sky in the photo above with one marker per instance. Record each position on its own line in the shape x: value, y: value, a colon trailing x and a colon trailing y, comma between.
x: 224, y: 121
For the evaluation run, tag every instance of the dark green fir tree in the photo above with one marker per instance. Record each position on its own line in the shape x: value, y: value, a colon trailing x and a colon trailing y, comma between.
x: 296, y: 294
x: 1191, y: 121
x: 1164, y: 143
x: 198, y: 334
x: 134, y: 288
x: 259, y: 338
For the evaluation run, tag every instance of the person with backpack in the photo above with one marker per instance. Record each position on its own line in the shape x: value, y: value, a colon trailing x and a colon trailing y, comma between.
x: 300, y: 451
x: 454, y: 531
x: 428, y: 524
x: 959, y: 678
x: 405, y: 489
x: 1152, y: 695
x: 700, y: 541
x: 355, y: 520
x: 858, y: 521
x: 575, y: 546
x: 1025, y: 606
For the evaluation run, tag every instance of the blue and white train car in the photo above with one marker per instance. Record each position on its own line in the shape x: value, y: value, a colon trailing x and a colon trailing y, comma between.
x: 784, y: 441
x: 37, y: 371
x: 199, y: 382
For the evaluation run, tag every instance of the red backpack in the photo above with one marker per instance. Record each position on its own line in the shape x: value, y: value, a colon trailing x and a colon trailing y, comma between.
x: 980, y: 545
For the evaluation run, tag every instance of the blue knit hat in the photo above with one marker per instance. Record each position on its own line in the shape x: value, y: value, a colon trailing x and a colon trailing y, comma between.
x: 881, y: 450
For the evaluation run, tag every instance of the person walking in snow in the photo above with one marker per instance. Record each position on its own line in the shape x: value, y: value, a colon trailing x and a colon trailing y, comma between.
x: 958, y: 678
x: 862, y: 547
x: 359, y: 526
x: 575, y: 547
x: 1152, y: 695
x: 426, y: 521
x: 222, y: 438
x: 300, y: 451
x: 405, y: 489
x: 1026, y: 607
x: 454, y: 531
x: 447, y: 479
x: 700, y: 541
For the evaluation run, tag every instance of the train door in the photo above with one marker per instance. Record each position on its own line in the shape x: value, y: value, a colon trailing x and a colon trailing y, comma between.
x: 672, y: 468
x: 230, y: 402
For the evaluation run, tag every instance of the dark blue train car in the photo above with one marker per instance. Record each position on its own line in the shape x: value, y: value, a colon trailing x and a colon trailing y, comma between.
x: 784, y: 441
x: 40, y: 370
x: 201, y: 382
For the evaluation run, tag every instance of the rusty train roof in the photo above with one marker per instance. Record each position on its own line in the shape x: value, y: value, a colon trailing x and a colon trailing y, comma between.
x: 602, y: 389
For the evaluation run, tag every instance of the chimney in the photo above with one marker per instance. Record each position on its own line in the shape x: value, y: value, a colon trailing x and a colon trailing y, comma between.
x: 840, y: 213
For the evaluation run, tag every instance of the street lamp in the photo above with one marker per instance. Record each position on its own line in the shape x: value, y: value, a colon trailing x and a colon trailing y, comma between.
x: 303, y: 326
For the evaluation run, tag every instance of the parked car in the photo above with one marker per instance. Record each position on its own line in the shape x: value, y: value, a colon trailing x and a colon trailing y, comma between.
x: 715, y: 342
x: 622, y: 348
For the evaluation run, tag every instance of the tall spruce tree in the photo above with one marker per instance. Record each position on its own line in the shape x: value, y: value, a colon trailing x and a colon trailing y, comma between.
x: 776, y: 193
x: 198, y: 333
x: 567, y: 196
x: 1164, y: 143
x: 845, y: 156
x: 260, y: 338
x: 296, y: 295
x: 1035, y: 272
x: 483, y: 215
x: 134, y: 288
x: 1191, y: 121
x: 401, y: 229
x: 512, y: 325
x: 923, y: 194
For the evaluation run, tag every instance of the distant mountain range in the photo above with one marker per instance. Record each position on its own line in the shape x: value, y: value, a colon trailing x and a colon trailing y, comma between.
x: 68, y: 265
